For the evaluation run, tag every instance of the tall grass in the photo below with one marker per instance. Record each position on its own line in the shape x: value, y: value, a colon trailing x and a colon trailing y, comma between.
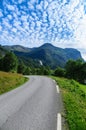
x: 9, y: 81
x: 74, y: 98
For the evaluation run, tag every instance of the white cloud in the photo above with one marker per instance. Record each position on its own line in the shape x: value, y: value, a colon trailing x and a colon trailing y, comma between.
x: 10, y: 7
x: 14, y: 30
x: 30, y: 6
x: 54, y: 21
x: 38, y: 23
x: 24, y: 18
x: 0, y: 28
x: 32, y: 1
x: 20, y: 1
x: 16, y: 24
x: 44, y: 16
x: 39, y: 7
x: 10, y: 17
x: 1, y: 14
x: 6, y: 24
x: 83, y: 54
x: 45, y: 5
x: 50, y: 1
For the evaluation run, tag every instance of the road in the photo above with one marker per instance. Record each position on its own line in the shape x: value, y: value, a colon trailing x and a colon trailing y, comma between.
x: 33, y: 106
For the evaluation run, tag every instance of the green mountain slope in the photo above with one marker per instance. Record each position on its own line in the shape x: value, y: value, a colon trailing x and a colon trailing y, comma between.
x: 3, y: 51
x: 49, y: 55
x: 17, y: 48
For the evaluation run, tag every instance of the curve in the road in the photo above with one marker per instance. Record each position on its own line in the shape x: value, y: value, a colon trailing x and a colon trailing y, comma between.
x: 34, y: 106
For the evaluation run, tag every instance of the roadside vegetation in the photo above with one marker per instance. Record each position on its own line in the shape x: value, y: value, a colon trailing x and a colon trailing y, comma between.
x: 9, y: 81
x: 74, y: 98
x: 10, y: 63
x: 74, y: 69
x: 73, y: 85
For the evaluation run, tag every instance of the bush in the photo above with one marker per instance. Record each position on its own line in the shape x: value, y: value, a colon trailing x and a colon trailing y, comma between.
x: 59, y: 72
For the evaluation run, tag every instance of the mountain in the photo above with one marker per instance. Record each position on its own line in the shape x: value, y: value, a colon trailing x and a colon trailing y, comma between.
x: 3, y: 51
x: 47, y: 54
x: 17, y: 48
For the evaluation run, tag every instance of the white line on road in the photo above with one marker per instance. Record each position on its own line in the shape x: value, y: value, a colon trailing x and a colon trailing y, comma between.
x: 54, y: 81
x: 57, y: 87
x: 59, y: 121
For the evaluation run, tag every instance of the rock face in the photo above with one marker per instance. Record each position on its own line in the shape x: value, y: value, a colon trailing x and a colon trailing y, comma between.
x: 48, y: 54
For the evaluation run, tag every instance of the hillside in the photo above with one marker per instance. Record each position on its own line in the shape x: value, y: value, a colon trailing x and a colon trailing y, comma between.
x: 3, y: 51
x: 17, y: 48
x: 48, y: 54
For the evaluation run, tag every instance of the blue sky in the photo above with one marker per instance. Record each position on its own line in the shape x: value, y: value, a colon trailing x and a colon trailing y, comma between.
x: 34, y: 22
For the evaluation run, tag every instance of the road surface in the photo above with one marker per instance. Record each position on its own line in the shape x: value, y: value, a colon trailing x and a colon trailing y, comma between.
x: 33, y: 106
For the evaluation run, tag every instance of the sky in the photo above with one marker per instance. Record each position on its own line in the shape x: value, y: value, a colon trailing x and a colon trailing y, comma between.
x: 32, y: 23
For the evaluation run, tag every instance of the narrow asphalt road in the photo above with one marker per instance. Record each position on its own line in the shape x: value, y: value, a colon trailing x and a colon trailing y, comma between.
x: 33, y: 106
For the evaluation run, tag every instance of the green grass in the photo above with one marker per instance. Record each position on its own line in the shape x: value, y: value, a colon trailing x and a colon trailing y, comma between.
x: 9, y: 81
x: 83, y: 87
x: 74, y: 98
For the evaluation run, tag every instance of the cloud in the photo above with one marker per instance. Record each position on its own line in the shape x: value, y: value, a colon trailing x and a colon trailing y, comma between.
x: 1, y: 14
x: 10, y: 7
x: 20, y: 1
x: 0, y: 28
x: 45, y: 5
x: 35, y: 22
x: 30, y: 6
x: 14, y: 30
x: 10, y: 17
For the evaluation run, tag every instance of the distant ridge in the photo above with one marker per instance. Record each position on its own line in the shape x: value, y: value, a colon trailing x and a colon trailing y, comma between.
x: 3, y: 51
x: 17, y: 48
x: 47, y: 53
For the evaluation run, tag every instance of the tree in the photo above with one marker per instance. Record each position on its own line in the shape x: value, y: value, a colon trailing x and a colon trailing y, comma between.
x: 47, y: 70
x: 27, y: 71
x: 21, y: 67
x: 43, y: 70
x: 70, y: 69
x: 76, y: 70
x: 83, y: 73
x: 1, y: 64
x: 10, y: 62
x: 59, y: 72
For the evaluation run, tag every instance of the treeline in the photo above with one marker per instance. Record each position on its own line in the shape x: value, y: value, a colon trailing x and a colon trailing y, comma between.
x: 72, y: 70
x: 10, y: 63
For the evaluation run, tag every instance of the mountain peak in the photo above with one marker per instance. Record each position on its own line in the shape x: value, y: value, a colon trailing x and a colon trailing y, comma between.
x: 47, y: 45
x: 48, y: 54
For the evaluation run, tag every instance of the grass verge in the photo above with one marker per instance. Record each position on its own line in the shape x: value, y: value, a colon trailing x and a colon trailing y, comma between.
x: 74, y: 98
x: 9, y: 81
